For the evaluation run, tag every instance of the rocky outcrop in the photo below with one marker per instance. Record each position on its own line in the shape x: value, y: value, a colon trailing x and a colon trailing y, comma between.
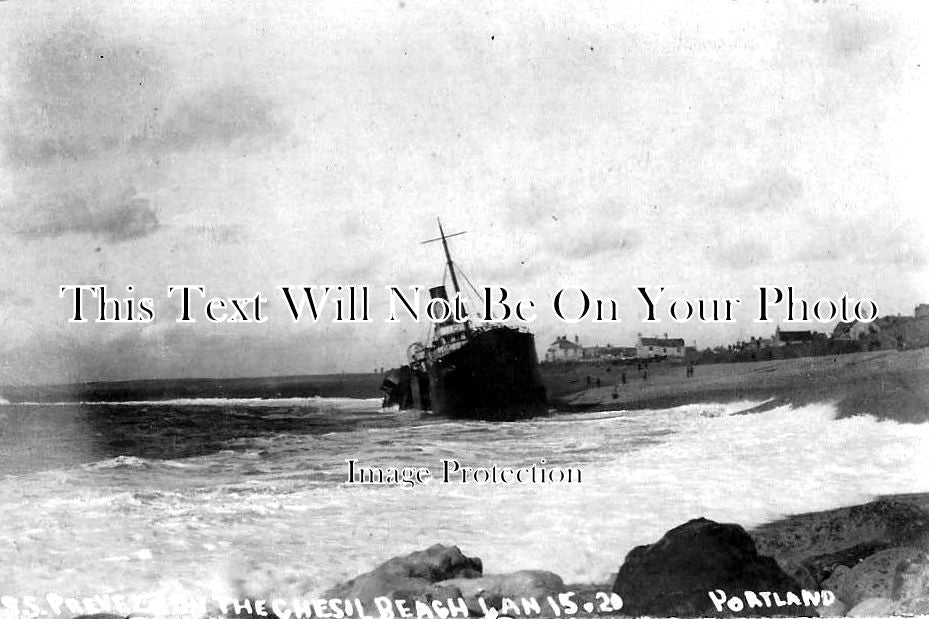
x: 673, y: 576
x: 873, y: 607
x: 442, y: 572
x: 416, y: 576
x: 911, y: 586
x: 872, y: 556
x: 877, y: 576
x: 494, y: 587
x: 811, y: 546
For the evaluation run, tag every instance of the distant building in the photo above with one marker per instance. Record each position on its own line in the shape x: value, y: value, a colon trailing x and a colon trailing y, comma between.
x: 922, y: 310
x: 756, y: 343
x: 855, y: 330
x: 608, y: 352
x: 627, y: 352
x: 563, y: 349
x: 790, y: 338
x: 647, y: 347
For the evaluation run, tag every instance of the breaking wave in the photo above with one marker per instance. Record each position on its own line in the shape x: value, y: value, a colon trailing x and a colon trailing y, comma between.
x: 315, y: 402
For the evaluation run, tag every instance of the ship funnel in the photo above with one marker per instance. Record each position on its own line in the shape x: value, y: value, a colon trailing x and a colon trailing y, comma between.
x: 439, y: 292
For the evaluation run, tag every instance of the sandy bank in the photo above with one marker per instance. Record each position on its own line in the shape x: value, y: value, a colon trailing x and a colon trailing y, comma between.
x: 886, y: 384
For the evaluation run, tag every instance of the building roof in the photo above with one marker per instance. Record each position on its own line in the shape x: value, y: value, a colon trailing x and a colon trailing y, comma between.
x: 674, y: 342
x: 842, y: 328
x: 845, y: 328
x: 564, y: 344
x: 795, y: 336
x: 610, y: 350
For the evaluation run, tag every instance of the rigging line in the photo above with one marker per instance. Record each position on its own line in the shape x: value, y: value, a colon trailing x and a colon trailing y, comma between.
x: 467, y: 279
x: 477, y: 295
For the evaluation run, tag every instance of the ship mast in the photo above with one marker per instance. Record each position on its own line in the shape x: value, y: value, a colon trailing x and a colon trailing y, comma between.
x: 448, y: 258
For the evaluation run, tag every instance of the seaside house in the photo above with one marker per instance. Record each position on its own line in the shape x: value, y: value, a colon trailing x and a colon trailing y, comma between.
x: 647, y: 347
x: 790, y: 338
x: 921, y: 311
x: 563, y: 349
x: 855, y: 330
x: 608, y: 353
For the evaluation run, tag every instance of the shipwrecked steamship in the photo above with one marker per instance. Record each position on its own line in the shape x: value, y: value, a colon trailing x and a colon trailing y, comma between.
x: 468, y: 370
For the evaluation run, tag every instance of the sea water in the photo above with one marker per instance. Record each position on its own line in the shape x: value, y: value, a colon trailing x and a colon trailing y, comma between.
x: 248, y: 498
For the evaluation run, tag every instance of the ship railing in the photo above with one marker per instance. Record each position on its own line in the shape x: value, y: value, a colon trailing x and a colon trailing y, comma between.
x: 487, y: 327
x: 446, y: 348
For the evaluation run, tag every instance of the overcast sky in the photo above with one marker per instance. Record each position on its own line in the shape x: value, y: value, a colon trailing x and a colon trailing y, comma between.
x: 705, y: 146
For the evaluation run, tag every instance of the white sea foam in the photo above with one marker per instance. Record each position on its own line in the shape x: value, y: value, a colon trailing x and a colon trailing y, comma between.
x: 315, y: 402
x: 275, y: 517
x: 117, y: 462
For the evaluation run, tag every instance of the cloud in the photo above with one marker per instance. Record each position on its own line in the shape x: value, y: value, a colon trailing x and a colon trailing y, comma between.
x: 740, y: 254
x: 774, y: 189
x: 131, y: 218
x: 852, y: 33
x: 78, y: 95
x: 12, y: 297
x: 609, y: 239
x: 92, y: 117
x: 217, y: 234
x: 865, y: 239
x: 218, y: 117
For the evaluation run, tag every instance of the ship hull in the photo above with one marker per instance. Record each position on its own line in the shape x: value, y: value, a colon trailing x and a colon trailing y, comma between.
x: 495, y: 376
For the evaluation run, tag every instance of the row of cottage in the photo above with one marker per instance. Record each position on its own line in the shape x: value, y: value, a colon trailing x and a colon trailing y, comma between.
x: 563, y: 349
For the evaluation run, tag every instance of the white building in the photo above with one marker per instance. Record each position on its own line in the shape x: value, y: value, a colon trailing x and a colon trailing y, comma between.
x: 855, y: 330
x: 563, y: 349
x: 647, y: 347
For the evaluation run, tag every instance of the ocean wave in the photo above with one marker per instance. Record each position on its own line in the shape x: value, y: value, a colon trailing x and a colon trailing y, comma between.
x: 720, y: 409
x: 119, y: 462
x: 704, y: 409
x: 315, y: 401
x: 644, y: 472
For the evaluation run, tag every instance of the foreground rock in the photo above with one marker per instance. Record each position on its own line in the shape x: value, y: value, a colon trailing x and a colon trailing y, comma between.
x: 493, y: 588
x: 884, y: 522
x: 672, y: 577
x: 443, y: 572
x: 873, y: 556
x: 911, y: 586
x: 415, y: 576
x: 874, y: 577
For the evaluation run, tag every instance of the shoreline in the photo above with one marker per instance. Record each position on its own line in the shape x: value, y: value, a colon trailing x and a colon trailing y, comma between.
x: 812, y: 547
x: 890, y: 385
x: 872, y: 558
